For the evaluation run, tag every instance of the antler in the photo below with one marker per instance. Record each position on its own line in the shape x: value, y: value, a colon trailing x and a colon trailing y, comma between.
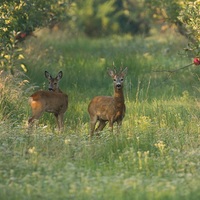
x: 114, y: 68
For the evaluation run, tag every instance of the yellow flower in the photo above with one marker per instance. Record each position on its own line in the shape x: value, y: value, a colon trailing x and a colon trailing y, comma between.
x: 32, y: 150
x: 67, y: 141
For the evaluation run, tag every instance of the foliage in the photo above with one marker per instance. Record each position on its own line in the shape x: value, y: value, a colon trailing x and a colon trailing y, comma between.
x: 185, y: 14
x: 23, y: 16
x: 93, y: 16
x: 189, y: 16
x: 167, y: 10
x: 133, y: 17
x: 100, y: 18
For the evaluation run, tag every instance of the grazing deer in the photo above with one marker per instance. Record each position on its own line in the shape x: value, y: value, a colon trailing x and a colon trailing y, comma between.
x: 52, y: 101
x: 106, y: 108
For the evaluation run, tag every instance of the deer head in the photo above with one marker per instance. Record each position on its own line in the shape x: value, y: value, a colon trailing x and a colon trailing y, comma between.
x: 53, y: 82
x: 118, y: 78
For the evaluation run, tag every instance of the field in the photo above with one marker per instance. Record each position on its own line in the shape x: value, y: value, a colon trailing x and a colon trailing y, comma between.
x: 156, y: 155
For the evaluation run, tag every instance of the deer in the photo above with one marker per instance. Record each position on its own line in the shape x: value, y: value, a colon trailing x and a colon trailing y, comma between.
x: 52, y: 100
x: 111, y: 109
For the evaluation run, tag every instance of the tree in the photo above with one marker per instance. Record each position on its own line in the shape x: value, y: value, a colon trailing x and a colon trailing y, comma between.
x: 105, y: 17
x: 19, y: 18
x: 184, y: 14
x: 189, y: 17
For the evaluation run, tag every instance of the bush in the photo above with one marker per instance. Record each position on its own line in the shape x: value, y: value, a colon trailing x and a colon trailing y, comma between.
x: 24, y: 17
x: 189, y: 17
x: 184, y: 14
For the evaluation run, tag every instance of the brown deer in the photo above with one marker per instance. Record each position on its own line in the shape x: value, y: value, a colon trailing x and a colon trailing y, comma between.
x: 52, y: 101
x: 106, y: 108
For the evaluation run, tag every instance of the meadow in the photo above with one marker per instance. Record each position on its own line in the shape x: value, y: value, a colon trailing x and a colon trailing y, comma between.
x: 156, y: 155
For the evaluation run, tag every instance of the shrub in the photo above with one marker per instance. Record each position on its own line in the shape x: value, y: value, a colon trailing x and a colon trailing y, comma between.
x: 184, y: 14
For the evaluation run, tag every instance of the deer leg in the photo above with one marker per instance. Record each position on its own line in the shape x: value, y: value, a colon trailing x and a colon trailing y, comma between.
x: 119, y: 123
x: 35, y: 115
x: 93, y: 121
x: 37, y: 110
x: 59, y: 119
x: 101, y: 126
x: 111, y: 125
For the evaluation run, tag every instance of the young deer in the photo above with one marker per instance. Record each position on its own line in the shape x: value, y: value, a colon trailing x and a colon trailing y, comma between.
x: 52, y: 101
x: 106, y: 108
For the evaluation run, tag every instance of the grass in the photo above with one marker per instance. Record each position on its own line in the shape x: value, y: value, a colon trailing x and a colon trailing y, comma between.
x: 155, y: 156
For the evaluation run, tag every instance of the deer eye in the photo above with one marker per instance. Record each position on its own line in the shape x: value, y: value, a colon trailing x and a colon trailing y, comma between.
x: 122, y: 79
x: 114, y: 80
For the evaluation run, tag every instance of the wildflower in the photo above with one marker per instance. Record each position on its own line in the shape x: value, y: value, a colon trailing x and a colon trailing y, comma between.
x: 32, y: 150
x: 161, y: 146
x: 67, y: 141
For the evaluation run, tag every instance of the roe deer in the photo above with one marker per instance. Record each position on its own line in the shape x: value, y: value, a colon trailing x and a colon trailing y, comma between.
x: 107, y: 108
x: 52, y: 101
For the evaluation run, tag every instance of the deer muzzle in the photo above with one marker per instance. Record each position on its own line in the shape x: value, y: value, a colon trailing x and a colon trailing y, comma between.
x: 118, y: 86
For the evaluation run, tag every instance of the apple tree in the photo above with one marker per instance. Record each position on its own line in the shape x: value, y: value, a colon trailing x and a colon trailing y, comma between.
x: 18, y: 19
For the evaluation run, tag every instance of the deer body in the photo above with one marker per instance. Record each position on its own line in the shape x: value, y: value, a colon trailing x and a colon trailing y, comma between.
x: 52, y: 101
x: 109, y: 109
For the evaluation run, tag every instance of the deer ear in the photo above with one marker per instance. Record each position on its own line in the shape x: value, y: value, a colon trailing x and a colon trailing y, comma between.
x: 47, y: 75
x: 124, y: 72
x: 59, y: 76
x: 111, y: 73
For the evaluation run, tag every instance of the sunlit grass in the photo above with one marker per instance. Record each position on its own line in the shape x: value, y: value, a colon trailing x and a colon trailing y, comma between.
x: 154, y: 156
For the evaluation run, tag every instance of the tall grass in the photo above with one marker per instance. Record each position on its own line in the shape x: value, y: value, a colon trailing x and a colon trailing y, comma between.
x: 13, y: 91
x: 156, y: 154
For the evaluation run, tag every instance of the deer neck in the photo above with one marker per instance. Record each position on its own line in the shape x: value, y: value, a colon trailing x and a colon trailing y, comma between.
x: 119, y: 96
x: 58, y: 90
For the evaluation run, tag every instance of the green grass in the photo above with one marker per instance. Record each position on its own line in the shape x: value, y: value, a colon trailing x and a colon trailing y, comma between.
x: 156, y: 155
